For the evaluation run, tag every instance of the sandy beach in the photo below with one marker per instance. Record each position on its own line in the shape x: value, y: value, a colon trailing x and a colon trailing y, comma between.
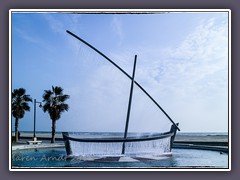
x: 210, y: 138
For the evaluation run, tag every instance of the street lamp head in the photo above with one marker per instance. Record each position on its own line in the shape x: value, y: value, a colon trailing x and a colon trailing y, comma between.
x: 40, y: 105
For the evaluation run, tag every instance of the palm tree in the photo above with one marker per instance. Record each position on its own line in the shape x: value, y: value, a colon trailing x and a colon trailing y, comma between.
x: 55, y: 105
x: 19, y: 106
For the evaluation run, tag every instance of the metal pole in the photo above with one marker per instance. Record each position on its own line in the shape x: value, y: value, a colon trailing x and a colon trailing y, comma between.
x: 34, y: 130
x: 129, y: 104
x: 99, y: 52
x: 173, y: 130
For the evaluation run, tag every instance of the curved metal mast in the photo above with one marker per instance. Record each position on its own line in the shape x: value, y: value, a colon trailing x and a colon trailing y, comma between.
x: 124, y: 72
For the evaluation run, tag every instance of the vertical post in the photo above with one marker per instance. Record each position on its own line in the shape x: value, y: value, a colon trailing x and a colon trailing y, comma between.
x: 67, y: 143
x: 173, y: 129
x: 129, y: 104
x: 34, y: 129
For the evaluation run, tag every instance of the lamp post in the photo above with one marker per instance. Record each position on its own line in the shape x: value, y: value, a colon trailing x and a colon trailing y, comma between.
x: 34, y: 132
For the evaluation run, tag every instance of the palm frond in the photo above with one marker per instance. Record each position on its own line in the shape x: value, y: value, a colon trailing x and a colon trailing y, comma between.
x: 20, y: 102
x: 63, y: 98
x: 54, y: 102
x: 46, y: 107
x: 58, y: 90
x: 63, y: 107
x: 25, y: 106
x: 21, y: 114
x: 21, y: 91
x: 47, y: 94
x: 27, y: 98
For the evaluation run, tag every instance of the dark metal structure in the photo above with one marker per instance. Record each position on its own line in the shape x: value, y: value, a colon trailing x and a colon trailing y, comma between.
x: 124, y: 72
x: 152, y: 137
x: 124, y: 140
x: 129, y: 103
x: 156, y: 136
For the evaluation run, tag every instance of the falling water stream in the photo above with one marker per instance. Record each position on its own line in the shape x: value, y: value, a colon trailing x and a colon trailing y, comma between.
x: 154, y: 147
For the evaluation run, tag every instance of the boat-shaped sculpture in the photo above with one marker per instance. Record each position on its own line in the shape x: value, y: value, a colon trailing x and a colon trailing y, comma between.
x: 124, y: 143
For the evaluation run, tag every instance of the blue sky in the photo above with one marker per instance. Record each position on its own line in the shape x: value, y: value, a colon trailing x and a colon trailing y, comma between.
x: 182, y: 63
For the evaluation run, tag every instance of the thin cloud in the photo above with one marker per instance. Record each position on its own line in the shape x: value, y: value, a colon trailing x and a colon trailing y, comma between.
x: 116, y: 25
x: 59, y: 24
x: 198, y: 61
x: 32, y: 38
x: 55, y: 24
x: 192, y: 74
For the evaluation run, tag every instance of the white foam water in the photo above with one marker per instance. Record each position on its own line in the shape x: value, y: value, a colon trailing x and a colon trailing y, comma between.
x: 154, y: 147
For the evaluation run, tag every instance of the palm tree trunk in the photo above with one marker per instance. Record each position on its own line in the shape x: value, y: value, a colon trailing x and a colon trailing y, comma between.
x: 53, y: 131
x: 16, y: 129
